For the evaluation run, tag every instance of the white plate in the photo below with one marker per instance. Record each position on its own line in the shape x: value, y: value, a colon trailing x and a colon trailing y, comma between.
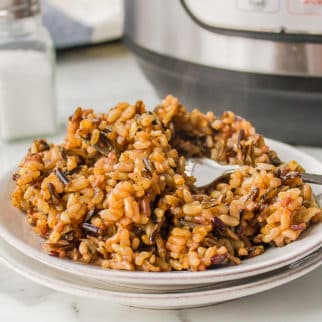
x: 17, y: 232
x: 76, y: 285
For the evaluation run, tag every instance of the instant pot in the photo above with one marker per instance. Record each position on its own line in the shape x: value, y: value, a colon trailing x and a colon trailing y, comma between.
x: 261, y: 59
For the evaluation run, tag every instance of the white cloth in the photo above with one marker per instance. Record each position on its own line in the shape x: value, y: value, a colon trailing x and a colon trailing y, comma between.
x: 80, y: 22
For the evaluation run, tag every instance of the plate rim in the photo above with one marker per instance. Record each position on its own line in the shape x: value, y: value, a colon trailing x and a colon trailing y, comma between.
x: 203, y: 297
x: 166, y: 278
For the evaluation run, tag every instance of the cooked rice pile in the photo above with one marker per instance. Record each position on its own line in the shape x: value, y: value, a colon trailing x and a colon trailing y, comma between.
x: 115, y: 192
x: 228, y: 140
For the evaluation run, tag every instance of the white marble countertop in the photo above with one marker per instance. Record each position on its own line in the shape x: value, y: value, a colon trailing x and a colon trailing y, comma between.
x: 100, y: 77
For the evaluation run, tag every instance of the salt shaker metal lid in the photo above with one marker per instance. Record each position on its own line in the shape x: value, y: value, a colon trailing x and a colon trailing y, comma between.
x: 16, y: 9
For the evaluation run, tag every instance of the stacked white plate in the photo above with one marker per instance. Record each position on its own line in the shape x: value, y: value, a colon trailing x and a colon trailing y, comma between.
x: 22, y: 251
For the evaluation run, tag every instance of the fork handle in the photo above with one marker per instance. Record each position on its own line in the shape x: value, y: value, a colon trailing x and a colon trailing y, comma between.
x: 312, y: 178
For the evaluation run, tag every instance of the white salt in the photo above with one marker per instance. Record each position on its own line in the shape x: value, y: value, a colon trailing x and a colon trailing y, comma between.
x: 26, y: 94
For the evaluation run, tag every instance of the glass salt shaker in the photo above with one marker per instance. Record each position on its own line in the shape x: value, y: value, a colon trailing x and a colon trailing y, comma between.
x: 27, y: 82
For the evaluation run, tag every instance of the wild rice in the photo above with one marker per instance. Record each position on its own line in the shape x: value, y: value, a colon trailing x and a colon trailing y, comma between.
x: 115, y: 193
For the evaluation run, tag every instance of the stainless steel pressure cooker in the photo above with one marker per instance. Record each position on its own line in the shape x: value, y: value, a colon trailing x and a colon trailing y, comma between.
x: 259, y: 58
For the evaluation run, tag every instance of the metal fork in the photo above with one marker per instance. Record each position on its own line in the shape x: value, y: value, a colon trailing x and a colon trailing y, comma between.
x: 209, y: 172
